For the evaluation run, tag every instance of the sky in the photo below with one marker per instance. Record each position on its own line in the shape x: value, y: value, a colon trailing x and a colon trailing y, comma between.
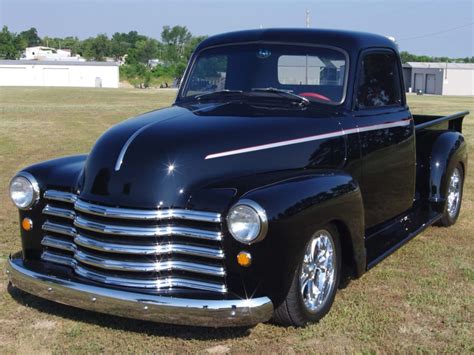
x: 435, y: 28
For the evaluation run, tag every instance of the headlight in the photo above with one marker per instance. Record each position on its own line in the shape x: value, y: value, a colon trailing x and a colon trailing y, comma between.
x: 24, y: 190
x: 247, y: 222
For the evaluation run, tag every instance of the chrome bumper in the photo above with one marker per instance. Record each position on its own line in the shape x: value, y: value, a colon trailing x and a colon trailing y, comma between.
x: 212, y: 313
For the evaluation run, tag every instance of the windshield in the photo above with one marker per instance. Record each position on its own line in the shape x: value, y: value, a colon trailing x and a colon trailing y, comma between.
x: 315, y: 73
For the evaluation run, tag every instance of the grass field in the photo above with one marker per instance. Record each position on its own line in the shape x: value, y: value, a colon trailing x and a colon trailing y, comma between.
x: 421, y: 299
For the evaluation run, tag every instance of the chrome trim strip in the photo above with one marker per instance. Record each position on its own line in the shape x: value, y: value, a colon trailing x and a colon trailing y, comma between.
x: 59, y: 212
x: 59, y: 228
x: 58, y: 259
x: 154, y: 249
x: 136, y: 305
x: 147, y: 266
x: 53, y: 242
x: 83, y: 223
x: 60, y: 196
x: 136, y: 214
x: 158, y: 283
x: 317, y: 137
x: 118, y: 163
x: 151, y: 249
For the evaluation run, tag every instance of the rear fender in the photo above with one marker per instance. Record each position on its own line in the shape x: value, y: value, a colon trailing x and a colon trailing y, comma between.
x: 440, y: 151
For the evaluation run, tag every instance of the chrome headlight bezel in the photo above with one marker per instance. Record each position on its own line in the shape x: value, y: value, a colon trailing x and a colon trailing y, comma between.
x: 259, y: 213
x: 35, y: 190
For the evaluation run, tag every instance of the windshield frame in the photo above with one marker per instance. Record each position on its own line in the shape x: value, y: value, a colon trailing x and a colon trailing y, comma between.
x: 192, y: 66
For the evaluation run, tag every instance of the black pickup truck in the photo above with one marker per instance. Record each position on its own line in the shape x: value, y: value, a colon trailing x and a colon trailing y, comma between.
x: 288, y: 164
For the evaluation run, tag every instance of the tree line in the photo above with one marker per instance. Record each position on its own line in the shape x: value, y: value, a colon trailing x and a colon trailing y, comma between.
x: 172, y: 51
x: 135, y: 50
x: 408, y: 57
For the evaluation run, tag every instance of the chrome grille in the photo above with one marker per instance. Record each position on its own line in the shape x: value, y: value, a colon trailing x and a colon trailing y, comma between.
x: 150, y: 249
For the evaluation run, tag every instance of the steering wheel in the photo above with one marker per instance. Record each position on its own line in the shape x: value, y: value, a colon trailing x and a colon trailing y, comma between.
x: 315, y: 96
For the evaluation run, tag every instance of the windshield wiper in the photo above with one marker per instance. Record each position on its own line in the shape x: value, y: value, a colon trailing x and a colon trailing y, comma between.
x: 218, y: 93
x: 284, y: 93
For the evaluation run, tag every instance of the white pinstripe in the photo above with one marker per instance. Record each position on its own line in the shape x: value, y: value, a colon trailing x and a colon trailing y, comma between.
x: 309, y: 139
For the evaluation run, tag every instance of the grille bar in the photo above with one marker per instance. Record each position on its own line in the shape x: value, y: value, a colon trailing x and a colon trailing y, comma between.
x: 129, y: 249
x: 58, y: 258
x: 103, y: 228
x: 154, y: 215
x: 149, y: 249
x: 60, y: 196
x: 163, y: 282
x: 59, y: 228
x: 59, y: 212
x: 147, y: 266
x: 53, y: 242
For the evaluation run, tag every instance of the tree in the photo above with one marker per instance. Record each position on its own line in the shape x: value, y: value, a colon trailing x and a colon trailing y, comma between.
x: 176, y: 35
x: 96, y: 48
x: 174, y: 40
x: 119, y: 45
x: 133, y: 37
x: 11, y: 45
x: 31, y: 37
x: 146, y: 50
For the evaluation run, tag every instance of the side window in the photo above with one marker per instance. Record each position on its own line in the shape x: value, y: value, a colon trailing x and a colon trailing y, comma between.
x: 379, y: 84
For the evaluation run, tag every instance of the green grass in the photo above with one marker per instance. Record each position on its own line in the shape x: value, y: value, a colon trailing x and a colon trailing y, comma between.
x: 420, y: 299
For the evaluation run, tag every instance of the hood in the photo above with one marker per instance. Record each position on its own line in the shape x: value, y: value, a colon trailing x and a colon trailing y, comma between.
x: 160, y: 158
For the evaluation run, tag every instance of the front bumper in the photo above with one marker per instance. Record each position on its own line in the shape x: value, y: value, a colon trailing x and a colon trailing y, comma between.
x: 212, y: 313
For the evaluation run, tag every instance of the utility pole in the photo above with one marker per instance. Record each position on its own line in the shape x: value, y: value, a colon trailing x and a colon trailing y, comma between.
x: 307, y: 18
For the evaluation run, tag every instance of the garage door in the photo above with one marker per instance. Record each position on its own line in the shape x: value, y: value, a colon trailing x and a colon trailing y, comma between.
x: 419, y: 82
x: 430, y: 84
x: 56, y: 76
x: 13, y: 75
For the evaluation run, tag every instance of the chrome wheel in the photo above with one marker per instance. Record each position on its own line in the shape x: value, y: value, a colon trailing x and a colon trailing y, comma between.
x: 317, y: 276
x: 454, y: 193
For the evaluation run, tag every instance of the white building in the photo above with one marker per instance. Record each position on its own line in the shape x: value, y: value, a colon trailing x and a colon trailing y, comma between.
x: 47, y: 53
x: 439, y: 78
x: 58, y: 73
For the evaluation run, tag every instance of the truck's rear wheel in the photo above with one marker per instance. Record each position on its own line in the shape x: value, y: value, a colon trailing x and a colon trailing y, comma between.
x: 454, y: 189
x: 315, y: 281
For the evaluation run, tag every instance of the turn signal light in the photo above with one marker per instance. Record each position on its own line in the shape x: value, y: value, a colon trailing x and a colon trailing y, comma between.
x: 27, y: 224
x: 244, y: 259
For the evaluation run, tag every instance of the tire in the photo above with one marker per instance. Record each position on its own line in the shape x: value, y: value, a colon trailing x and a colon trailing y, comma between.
x: 296, y: 310
x: 453, y: 190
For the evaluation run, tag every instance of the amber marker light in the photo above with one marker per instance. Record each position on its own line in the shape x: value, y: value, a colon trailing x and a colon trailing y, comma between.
x: 27, y: 224
x: 244, y: 259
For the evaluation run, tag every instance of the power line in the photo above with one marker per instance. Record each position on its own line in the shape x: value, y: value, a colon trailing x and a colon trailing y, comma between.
x: 436, y: 33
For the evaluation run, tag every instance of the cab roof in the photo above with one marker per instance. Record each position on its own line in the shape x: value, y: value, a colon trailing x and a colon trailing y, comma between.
x: 348, y: 40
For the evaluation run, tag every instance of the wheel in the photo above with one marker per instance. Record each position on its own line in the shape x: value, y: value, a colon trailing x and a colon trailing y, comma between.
x: 315, y: 281
x: 454, y: 191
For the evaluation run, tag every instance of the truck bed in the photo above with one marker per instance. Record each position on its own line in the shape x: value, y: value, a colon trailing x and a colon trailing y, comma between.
x: 452, y: 122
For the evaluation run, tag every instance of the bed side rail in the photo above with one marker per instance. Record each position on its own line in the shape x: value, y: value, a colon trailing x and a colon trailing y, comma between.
x: 454, y: 121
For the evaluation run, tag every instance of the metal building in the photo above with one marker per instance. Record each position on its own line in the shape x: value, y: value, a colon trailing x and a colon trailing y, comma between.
x: 439, y: 78
x: 58, y: 73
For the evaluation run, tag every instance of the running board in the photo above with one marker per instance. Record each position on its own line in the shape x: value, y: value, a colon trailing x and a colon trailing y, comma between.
x: 386, y: 239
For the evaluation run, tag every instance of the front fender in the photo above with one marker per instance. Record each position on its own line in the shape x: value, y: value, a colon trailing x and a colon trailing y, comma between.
x: 296, y: 207
x: 61, y: 174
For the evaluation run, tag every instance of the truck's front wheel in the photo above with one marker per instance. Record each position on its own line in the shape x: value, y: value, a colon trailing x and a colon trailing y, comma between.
x: 315, y: 282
